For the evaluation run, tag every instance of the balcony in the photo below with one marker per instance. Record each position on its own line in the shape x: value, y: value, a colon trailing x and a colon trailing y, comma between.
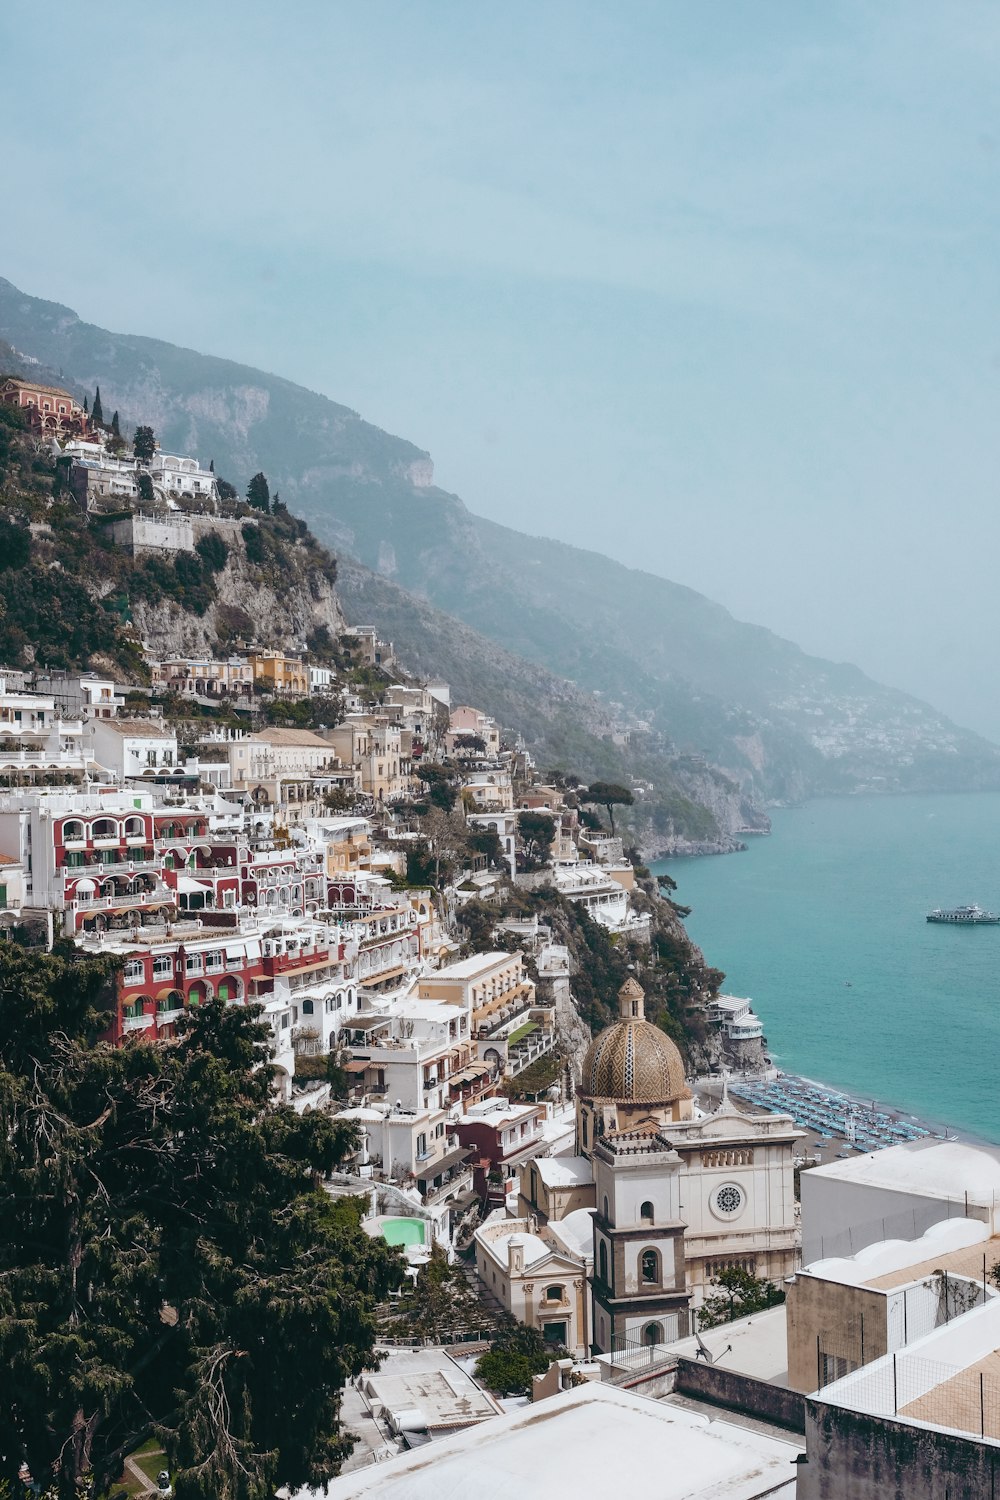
x: 112, y: 903
x: 137, y: 1023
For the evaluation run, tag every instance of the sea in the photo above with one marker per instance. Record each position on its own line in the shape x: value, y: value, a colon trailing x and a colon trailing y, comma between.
x: 822, y: 924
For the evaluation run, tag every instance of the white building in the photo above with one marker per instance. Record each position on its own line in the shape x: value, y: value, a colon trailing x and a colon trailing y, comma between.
x: 896, y: 1194
x: 34, y: 737
x: 133, y: 747
x: 605, y: 899
x: 592, y: 1440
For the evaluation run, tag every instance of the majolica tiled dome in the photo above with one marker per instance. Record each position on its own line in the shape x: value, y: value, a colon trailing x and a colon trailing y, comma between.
x: 632, y: 1061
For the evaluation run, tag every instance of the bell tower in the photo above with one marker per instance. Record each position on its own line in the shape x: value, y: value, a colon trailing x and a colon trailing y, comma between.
x: 639, y: 1281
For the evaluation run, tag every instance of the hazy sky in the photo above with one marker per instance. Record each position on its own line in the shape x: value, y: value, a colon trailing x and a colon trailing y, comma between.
x: 712, y: 288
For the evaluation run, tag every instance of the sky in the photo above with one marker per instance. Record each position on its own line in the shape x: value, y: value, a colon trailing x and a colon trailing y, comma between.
x: 710, y: 288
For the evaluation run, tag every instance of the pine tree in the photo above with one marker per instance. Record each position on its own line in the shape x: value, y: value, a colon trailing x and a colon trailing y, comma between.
x: 259, y: 493
x: 98, y: 413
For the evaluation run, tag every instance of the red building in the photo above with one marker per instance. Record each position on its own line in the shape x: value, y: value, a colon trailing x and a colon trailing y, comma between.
x: 46, y: 408
x: 501, y: 1135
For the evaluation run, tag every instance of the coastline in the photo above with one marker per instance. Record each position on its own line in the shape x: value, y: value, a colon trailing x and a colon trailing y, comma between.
x: 831, y: 1144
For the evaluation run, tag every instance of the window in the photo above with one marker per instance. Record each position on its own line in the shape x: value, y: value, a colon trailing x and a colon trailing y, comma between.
x: 421, y: 1145
x: 646, y: 1212
x: 652, y: 1333
x: 307, y: 1007
x: 649, y: 1268
x: 134, y: 969
x: 602, y: 1261
x: 163, y: 968
x: 554, y: 1293
x: 606, y: 1213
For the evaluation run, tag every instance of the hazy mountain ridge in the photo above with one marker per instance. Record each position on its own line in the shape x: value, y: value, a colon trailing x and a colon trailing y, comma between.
x: 786, y: 725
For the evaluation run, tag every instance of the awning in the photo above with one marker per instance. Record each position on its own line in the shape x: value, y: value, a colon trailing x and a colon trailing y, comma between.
x: 431, y: 1169
x: 466, y: 1074
x: 188, y: 887
x: 86, y: 885
x: 365, y: 1023
x: 466, y: 1199
x: 356, y: 1065
x: 165, y: 994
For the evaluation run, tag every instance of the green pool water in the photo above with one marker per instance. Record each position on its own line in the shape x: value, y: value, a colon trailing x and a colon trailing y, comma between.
x: 403, y: 1231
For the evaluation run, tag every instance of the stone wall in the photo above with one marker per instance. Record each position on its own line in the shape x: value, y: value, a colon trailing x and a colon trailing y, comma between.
x: 853, y: 1456
x: 743, y: 1393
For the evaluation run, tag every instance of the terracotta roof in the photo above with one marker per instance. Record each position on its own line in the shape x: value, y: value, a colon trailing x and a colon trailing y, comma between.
x: 8, y: 859
x: 19, y: 383
x: 139, y: 729
x: 293, y: 737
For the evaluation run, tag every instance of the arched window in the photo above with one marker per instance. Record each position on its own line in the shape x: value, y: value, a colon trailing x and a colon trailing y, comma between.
x: 602, y: 1261
x: 652, y: 1333
x: 307, y: 1007
x: 585, y: 1131
x: 606, y: 1213
x: 646, y: 1212
x: 553, y: 1294
x: 649, y: 1268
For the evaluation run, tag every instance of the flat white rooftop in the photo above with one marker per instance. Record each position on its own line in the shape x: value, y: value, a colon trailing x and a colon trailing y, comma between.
x: 471, y: 968
x: 756, y: 1346
x: 564, y: 1171
x: 591, y: 1440
x: 933, y: 1168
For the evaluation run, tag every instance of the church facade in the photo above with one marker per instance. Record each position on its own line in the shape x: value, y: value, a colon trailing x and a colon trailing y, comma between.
x: 678, y: 1196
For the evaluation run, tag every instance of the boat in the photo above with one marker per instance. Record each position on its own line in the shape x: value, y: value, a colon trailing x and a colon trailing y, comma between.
x: 964, y: 916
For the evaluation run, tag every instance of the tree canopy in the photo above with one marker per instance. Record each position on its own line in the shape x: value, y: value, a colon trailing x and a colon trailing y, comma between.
x: 609, y: 794
x: 537, y: 830
x: 741, y: 1293
x: 166, y: 1251
x: 258, y: 493
x: 144, y: 444
x: 515, y: 1355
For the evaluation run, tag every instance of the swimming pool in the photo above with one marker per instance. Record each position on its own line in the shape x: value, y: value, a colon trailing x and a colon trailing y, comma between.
x: 403, y: 1231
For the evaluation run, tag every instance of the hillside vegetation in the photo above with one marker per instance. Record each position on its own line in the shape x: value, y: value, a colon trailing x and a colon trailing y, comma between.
x: 781, y: 724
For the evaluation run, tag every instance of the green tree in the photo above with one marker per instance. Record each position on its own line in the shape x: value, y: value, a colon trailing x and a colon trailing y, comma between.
x: 144, y: 444
x: 165, y: 1251
x: 537, y: 830
x: 440, y: 791
x: 98, y: 411
x: 115, y: 428
x: 145, y: 486
x: 15, y: 544
x: 515, y: 1355
x: 741, y: 1293
x: 258, y: 493
x: 213, y: 551
x: 609, y: 794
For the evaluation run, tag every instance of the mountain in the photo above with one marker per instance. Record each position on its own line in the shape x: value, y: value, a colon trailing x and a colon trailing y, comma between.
x: 675, y: 671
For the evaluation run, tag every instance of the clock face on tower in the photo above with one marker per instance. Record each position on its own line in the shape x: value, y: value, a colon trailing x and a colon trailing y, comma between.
x: 728, y: 1200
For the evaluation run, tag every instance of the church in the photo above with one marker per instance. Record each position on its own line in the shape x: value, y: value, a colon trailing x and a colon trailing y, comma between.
x: 677, y: 1195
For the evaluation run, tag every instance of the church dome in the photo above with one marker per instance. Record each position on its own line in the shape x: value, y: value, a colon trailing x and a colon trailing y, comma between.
x: 632, y: 1061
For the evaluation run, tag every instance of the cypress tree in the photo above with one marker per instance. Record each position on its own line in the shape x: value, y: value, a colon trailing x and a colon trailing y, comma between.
x: 258, y: 493
x: 98, y: 413
x: 114, y: 426
x: 86, y: 408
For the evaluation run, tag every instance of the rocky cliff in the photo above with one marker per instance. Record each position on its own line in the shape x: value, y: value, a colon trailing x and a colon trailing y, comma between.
x: 667, y: 662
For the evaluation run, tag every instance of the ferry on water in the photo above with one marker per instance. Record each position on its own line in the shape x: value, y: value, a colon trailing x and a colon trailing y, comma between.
x: 964, y: 916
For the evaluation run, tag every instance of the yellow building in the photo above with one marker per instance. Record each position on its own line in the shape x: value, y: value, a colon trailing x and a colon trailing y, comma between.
x: 274, y: 672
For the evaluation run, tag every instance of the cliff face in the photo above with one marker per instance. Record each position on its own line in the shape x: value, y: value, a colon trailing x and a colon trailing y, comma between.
x: 679, y: 668
x: 281, y: 608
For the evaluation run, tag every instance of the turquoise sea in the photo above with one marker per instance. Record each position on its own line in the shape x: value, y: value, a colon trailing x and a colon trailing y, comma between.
x: 822, y: 924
